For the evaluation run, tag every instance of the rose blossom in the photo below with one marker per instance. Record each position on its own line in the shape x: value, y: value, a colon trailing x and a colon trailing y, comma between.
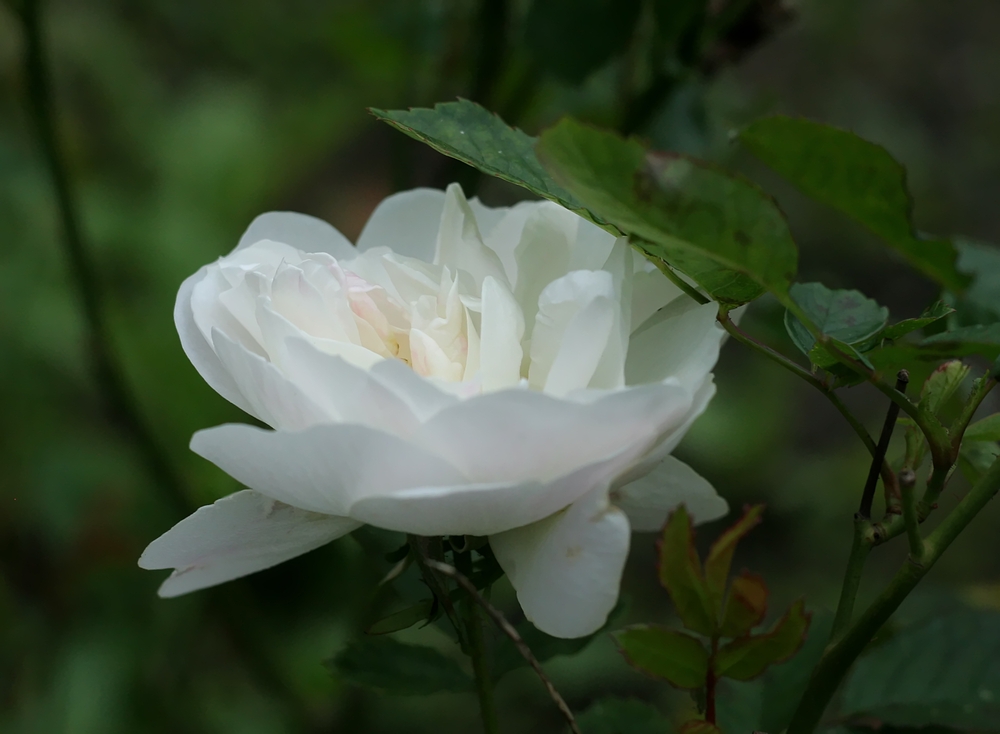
x: 515, y: 373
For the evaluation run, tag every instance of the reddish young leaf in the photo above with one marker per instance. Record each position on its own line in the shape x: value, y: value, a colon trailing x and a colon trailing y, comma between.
x: 678, y: 658
x: 720, y: 556
x: 746, y: 605
x: 747, y: 657
x: 681, y: 576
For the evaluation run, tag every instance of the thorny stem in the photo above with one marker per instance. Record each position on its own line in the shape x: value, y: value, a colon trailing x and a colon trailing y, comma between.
x: 878, y: 460
x: 508, y: 629
x: 841, y: 654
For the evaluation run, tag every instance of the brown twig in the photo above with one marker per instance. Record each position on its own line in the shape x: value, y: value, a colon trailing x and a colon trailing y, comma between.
x: 508, y: 629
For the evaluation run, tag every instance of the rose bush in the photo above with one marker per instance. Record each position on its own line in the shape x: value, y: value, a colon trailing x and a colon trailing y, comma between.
x: 515, y: 373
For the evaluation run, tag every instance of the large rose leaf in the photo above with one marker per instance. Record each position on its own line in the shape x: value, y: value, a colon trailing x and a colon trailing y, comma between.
x: 857, y: 177
x: 679, y: 208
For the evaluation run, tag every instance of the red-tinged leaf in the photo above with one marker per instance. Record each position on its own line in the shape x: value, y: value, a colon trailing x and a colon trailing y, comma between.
x: 699, y: 727
x: 747, y: 657
x: 681, y: 576
x: 720, y: 556
x: 675, y: 656
x: 746, y: 605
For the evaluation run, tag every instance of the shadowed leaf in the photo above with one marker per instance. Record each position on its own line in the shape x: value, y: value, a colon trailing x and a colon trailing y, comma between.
x: 681, y: 575
x: 856, y: 177
x: 746, y: 605
x: 720, y: 555
x: 674, y: 656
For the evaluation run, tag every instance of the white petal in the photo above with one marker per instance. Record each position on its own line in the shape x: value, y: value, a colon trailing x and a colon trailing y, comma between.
x: 460, y: 245
x: 346, y: 391
x: 201, y: 352
x: 567, y: 568
x: 270, y: 395
x: 576, y: 318
x: 323, y: 468
x: 684, y: 346
x: 500, y: 351
x: 649, y: 500
x: 521, y: 435
x: 238, y: 535
x: 423, y: 397
x: 501, y: 230
x: 547, y: 236
x: 407, y: 223
x: 485, y: 509
x: 301, y: 231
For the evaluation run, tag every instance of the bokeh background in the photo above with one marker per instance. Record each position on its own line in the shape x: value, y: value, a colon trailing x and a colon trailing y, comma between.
x: 181, y: 120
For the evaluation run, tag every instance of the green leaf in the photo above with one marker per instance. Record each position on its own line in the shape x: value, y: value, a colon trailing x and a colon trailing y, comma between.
x: 620, y: 716
x: 474, y: 135
x: 943, y: 671
x: 681, y: 575
x: 988, y: 429
x: 931, y: 314
x: 720, y: 555
x: 397, y: 668
x: 403, y: 619
x: 676, y: 204
x: 747, y: 657
x: 821, y: 356
x: 746, y: 605
x: 572, y: 38
x: 674, y: 656
x: 976, y: 457
x: 847, y: 316
x: 856, y: 177
x: 941, y: 385
x: 982, y: 262
x: 981, y: 339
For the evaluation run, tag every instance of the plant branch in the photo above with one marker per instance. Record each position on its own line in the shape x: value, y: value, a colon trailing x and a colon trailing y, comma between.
x: 842, y: 653
x: 878, y: 460
x: 508, y: 629
x: 799, y: 371
x: 907, y: 480
x: 860, y: 548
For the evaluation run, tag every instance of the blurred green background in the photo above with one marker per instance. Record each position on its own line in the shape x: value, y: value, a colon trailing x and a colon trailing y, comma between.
x: 182, y: 120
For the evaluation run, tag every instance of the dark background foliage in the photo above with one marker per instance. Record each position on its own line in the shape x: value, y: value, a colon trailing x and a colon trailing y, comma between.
x: 182, y: 120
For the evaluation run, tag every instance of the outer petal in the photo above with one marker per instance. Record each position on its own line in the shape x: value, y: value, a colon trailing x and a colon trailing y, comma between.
x: 238, y: 535
x: 423, y: 397
x: 323, y: 468
x: 685, y: 346
x: 486, y: 509
x: 567, y: 568
x: 648, y: 501
x: 406, y: 223
x: 200, y: 352
x: 301, y: 231
x: 520, y: 435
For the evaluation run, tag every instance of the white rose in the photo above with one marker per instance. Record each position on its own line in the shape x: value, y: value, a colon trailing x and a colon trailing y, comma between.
x: 515, y: 373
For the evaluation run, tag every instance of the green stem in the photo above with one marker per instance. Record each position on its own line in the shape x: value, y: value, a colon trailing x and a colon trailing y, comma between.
x: 860, y: 548
x: 743, y: 338
x: 843, y: 652
x: 907, y: 480
x: 476, y: 648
